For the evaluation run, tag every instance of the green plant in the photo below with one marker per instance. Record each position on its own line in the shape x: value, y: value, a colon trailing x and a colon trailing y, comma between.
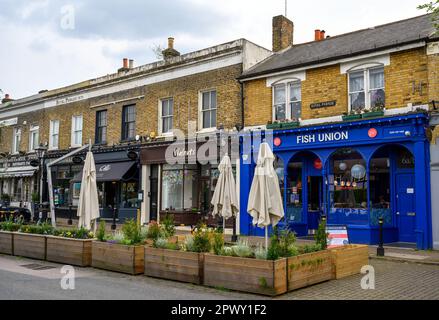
x: 287, y: 239
x: 161, y: 243
x: 321, y: 235
x: 10, y: 225
x: 218, y: 242
x: 227, y: 251
x: 131, y: 232
x: 310, y: 248
x: 100, y: 235
x: 201, y: 237
x: 35, y: 197
x: 242, y: 249
x: 80, y: 233
x: 168, y: 225
x: 188, y: 244
x: 42, y: 228
x: 261, y: 253
x: 154, y: 230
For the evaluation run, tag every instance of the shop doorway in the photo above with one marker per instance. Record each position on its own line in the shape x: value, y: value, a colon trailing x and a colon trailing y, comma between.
x: 154, y: 193
x: 315, y: 202
x: 405, y: 206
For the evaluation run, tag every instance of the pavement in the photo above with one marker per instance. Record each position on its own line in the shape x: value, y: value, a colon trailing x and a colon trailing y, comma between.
x: 25, y: 279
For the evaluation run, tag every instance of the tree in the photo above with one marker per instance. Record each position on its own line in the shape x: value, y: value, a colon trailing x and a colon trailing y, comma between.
x: 157, y: 49
x: 433, y: 8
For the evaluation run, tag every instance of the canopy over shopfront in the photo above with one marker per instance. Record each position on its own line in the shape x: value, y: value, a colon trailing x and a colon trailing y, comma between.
x: 353, y: 173
x: 109, y: 171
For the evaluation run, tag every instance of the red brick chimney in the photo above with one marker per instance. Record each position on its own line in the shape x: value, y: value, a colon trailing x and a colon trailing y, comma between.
x: 283, y: 33
x: 319, y: 35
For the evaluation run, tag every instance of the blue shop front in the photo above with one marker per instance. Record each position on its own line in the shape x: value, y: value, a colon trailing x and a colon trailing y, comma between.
x: 354, y: 173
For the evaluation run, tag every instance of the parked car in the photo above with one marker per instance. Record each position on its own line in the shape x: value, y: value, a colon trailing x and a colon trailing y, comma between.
x: 16, y: 212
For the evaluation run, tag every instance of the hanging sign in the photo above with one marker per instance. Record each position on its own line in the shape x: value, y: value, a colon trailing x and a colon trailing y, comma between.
x: 337, y: 236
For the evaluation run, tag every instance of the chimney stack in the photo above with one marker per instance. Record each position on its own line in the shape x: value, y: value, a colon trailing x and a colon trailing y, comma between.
x: 7, y: 98
x: 170, y: 52
x: 319, y: 35
x: 283, y: 33
x: 125, y: 66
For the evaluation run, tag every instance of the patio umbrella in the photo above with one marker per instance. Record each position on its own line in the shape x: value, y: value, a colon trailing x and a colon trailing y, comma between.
x: 88, y: 208
x: 265, y: 203
x: 225, y: 200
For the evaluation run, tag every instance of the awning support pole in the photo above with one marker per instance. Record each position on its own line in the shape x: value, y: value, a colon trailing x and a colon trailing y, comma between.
x: 49, y: 180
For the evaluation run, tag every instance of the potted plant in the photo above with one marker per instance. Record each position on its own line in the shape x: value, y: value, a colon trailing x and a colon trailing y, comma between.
x: 352, y: 115
x: 121, y: 251
x: 179, y: 261
x: 375, y: 112
x: 70, y: 246
x: 294, y: 123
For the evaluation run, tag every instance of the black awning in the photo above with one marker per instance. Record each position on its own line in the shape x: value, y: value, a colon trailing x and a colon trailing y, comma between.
x: 109, y: 171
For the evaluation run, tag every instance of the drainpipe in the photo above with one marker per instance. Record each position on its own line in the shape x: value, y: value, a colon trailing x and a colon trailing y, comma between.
x: 242, y: 105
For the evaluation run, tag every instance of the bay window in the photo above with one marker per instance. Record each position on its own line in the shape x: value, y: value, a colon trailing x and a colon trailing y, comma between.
x: 287, y: 101
x: 366, y: 89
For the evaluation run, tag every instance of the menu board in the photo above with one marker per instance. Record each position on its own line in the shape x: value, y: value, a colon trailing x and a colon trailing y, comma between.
x: 337, y: 236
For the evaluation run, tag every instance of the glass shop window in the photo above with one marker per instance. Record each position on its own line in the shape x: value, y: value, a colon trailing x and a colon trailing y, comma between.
x: 180, y: 187
x: 129, y: 194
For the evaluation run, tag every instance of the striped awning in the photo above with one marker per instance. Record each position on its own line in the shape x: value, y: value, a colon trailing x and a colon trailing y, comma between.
x: 18, y: 172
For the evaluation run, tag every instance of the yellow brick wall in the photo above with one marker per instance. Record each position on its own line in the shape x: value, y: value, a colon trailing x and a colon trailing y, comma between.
x: 327, y: 84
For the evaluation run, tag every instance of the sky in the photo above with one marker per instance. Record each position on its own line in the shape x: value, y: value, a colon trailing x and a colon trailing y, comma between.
x: 47, y: 44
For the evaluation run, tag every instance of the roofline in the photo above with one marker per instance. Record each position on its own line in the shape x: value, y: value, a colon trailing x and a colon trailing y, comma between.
x: 263, y: 74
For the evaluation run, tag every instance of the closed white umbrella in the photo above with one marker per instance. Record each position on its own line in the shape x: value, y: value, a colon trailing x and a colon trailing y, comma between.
x: 88, y: 208
x: 225, y: 199
x: 265, y: 203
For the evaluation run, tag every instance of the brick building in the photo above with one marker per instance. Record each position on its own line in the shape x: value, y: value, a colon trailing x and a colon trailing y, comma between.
x: 134, y: 108
x: 349, y: 116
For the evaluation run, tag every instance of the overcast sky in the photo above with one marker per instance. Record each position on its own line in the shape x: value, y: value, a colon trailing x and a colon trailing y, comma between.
x: 46, y: 44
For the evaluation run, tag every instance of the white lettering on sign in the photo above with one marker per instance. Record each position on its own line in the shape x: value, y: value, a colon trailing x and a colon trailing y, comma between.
x: 323, y: 137
x: 69, y: 100
x: 179, y: 152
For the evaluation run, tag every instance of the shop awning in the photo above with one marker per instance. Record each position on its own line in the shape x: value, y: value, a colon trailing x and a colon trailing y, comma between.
x: 18, y: 172
x: 109, y: 171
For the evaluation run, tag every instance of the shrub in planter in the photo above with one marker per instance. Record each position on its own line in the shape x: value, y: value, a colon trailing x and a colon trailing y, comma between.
x: 122, y: 251
x: 30, y: 240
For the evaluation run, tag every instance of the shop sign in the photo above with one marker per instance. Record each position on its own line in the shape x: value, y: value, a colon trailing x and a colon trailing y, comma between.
x: 325, y: 104
x: 337, y: 236
x: 323, y: 137
x: 180, y: 152
x: 8, y: 122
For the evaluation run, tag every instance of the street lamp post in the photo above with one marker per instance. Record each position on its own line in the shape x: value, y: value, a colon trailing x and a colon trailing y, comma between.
x: 41, y: 153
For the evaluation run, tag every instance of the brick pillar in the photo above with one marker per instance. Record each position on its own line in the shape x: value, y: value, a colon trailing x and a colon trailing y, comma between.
x: 283, y: 31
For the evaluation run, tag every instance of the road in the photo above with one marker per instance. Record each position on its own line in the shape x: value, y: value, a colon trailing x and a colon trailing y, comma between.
x: 19, y: 281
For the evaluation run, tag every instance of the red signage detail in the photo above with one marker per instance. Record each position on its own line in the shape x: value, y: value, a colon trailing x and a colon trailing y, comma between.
x: 318, y: 164
x: 277, y: 142
x: 372, y: 133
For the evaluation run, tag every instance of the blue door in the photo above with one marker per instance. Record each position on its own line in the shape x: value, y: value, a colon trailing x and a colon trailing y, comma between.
x: 405, y: 207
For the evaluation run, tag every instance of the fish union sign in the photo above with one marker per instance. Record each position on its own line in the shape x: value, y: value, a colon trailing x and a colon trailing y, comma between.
x: 323, y: 137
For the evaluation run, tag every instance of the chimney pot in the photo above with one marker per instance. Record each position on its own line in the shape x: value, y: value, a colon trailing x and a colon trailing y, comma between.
x: 125, y: 63
x: 7, y: 96
x: 322, y: 35
x: 171, y: 43
x: 131, y: 63
x: 317, y: 34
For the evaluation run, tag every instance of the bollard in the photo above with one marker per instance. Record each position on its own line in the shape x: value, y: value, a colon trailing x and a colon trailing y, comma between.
x: 380, y: 250
x: 70, y: 222
x: 113, y: 226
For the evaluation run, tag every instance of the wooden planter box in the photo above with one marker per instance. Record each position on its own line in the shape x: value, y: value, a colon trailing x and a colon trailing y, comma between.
x: 117, y: 257
x: 349, y: 260
x: 174, y: 265
x: 69, y: 251
x: 7, y: 242
x: 309, y: 269
x: 248, y: 275
x: 30, y: 246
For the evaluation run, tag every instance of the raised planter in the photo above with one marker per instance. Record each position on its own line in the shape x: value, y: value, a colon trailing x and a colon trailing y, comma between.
x: 6, y: 242
x: 174, y: 265
x: 352, y: 117
x: 375, y: 114
x: 30, y: 245
x: 349, y: 260
x: 309, y: 269
x: 117, y: 257
x: 247, y: 275
x: 69, y: 251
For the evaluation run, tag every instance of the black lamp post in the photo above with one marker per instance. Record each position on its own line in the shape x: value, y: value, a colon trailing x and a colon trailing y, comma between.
x: 41, y: 153
x: 380, y: 250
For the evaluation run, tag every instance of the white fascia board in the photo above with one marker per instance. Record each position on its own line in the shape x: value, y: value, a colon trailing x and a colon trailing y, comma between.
x: 128, y: 84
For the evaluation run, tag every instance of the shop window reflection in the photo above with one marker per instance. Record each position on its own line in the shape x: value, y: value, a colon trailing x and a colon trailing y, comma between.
x: 380, y: 189
x: 294, y: 192
x: 348, y: 188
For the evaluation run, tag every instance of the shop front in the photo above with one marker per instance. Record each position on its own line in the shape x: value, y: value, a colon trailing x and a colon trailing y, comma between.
x: 117, y: 179
x: 353, y: 173
x: 181, y: 185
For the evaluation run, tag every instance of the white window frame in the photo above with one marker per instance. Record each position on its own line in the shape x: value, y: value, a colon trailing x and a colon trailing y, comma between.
x: 74, y: 131
x: 287, y: 83
x: 52, y: 146
x: 366, y: 68
x: 33, y: 130
x: 201, y: 111
x: 15, y: 146
x: 160, y: 117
